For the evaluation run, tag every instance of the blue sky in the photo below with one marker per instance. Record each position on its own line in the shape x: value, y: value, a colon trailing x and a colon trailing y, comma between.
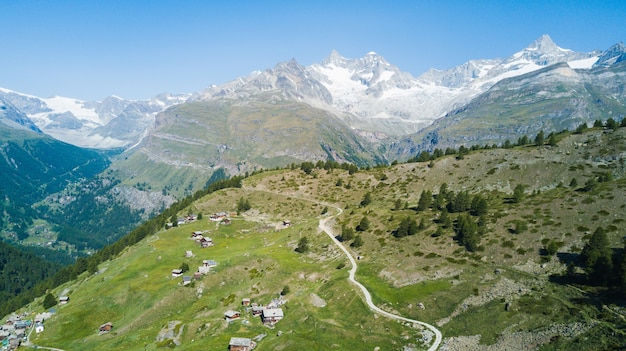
x: 137, y: 49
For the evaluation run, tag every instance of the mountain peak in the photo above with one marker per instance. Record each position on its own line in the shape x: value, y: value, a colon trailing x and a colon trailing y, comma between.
x: 334, y: 58
x: 614, y: 54
x: 290, y: 66
x: 372, y: 59
x: 544, y: 44
x: 544, y: 52
x: 543, y: 41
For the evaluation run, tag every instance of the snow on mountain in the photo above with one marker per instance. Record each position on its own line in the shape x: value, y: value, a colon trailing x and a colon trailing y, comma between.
x: 379, y: 96
x: 615, y: 54
x: 584, y: 63
x: 371, y: 89
x: 111, y: 123
x: 369, y: 94
x: 480, y: 75
x: 374, y: 96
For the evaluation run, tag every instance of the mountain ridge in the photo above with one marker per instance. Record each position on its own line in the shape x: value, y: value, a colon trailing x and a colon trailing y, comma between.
x: 370, y: 94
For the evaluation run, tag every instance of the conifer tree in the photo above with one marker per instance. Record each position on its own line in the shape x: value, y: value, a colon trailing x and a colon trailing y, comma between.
x: 367, y: 199
x: 518, y: 193
x: 467, y: 232
x: 598, y: 257
x: 358, y: 241
x: 425, y: 200
x: 479, y: 206
x: 49, y: 301
x: 363, y: 225
x: 540, y: 138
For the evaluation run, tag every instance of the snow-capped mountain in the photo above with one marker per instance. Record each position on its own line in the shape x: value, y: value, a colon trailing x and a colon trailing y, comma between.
x: 111, y: 123
x: 615, y: 54
x: 379, y: 97
x: 371, y: 95
x: 376, y: 97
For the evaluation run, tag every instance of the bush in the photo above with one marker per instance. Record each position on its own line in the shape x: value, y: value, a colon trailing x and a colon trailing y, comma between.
x: 363, y: 225
x: 358, y: 241
x: 303, y: 245
x: 49, y: 301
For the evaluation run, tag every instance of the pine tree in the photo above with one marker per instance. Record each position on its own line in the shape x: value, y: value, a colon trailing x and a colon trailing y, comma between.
x: 49, y: 301
x: 467, y: 232
x: 522, y: 140
x: 581, y: 128
x: 460, y: 203
x: 413, y: 227
x: 243, y: 205
x: 403, y: 228
x: 590, y: 184
x: 363, y: 225
x: 518, y: 193
x: 598, y: 257
x: 479, y: 206
x: 444, y: 219
x: 367, y: 199
x: 422, y: 224
x: 184, y: 267
x: 347, y: 233
x: 425, y: 200
x: 552, y: 139
x: 610, y: 123
x: 540, y: 138
x: 358, y: 241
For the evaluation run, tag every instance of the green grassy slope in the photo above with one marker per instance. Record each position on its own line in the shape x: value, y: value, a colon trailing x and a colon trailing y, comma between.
x: 507, y: 294
x: 194, y: 139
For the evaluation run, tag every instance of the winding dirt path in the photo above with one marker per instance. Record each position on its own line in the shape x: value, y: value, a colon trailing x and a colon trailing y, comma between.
x: 323, y: 225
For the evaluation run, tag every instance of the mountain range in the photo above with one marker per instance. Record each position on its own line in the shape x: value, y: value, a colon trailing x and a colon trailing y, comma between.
x: 363, y: 111
x: 371, y: 96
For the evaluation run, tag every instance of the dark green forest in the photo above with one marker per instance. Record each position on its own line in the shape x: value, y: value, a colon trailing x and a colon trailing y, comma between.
x: 20, y: 270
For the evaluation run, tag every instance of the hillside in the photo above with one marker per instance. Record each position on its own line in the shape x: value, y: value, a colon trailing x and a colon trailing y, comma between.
x: 192, y: 140
x: 34, y: 166
x: 552, y: 99
x: 510, y: 290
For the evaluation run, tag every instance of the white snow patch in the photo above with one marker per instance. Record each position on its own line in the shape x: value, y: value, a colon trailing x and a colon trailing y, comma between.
x: 77, y: 107
x: 584, y: 63
x: 386, y: 76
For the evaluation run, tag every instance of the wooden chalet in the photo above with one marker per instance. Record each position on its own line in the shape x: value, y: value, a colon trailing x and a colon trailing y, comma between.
x: 240, y: 344
x: 272, y: 315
